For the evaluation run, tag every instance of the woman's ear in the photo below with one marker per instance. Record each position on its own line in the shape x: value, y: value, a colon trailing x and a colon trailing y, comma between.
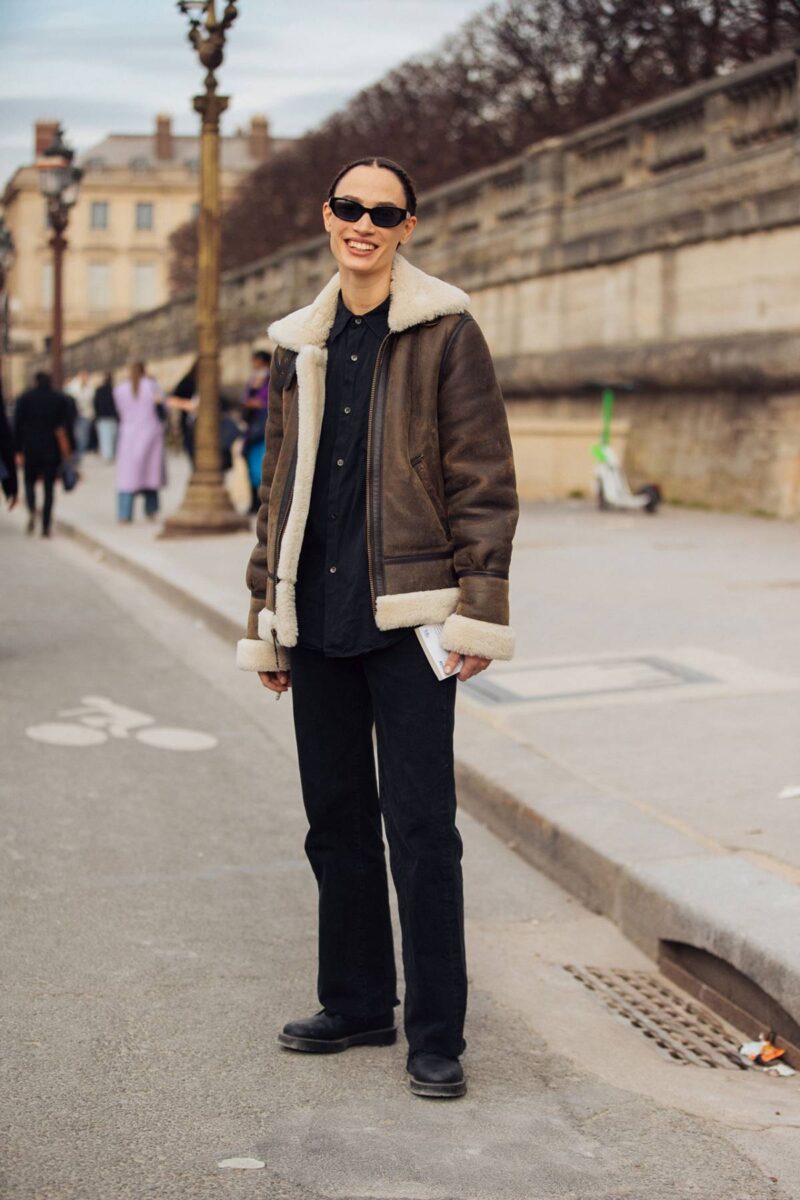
x: 408, y: 229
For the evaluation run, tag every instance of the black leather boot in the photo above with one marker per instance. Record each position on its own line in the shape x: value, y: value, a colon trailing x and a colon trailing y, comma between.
x: 328, y: 1033
x: 435, y: 1075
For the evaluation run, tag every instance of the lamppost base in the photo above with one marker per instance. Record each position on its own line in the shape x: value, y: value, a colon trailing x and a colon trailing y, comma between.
x: 206, y: 510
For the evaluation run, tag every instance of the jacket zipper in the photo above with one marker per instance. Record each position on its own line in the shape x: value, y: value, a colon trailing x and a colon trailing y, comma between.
x: 374, y: 447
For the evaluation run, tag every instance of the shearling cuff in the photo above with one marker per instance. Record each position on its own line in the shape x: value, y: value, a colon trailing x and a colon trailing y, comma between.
x: 483, y: 597
x: 255, y: 655
x: 466, y: 635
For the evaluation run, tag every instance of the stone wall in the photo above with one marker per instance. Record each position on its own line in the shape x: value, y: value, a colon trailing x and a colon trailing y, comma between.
x: 659, y: 249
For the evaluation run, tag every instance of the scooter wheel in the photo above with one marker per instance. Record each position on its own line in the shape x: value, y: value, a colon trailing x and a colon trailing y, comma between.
x: 602, y: 503
x: 653, y: 492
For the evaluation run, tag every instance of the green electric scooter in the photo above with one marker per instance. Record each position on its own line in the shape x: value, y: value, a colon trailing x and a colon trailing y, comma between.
x: 611, y: 484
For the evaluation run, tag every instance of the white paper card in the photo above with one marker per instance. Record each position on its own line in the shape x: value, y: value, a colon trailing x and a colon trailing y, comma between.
x: 430, y: 638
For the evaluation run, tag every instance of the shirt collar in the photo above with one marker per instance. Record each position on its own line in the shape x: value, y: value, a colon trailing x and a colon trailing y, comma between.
x: 377, y: 319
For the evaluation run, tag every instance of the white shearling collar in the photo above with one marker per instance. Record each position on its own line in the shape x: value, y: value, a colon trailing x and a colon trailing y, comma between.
x: 414, y: 297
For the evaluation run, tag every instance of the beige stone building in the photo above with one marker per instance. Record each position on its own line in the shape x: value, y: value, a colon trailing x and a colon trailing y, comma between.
x: 136, y: 190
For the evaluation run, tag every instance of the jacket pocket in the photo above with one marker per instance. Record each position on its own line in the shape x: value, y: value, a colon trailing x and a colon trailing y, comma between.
x: 423, y: 474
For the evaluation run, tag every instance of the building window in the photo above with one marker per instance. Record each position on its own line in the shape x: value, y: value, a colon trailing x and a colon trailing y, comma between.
x: 144, y: 285
x: 47, y: 285
x: 99, y: 287
x: 144, y: 215
x: 99, y: 214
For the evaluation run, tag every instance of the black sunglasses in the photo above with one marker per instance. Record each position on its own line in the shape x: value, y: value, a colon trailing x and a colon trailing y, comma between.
x: 385, y: 216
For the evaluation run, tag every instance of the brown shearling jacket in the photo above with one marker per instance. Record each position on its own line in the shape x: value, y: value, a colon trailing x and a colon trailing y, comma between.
x: 441, y: 503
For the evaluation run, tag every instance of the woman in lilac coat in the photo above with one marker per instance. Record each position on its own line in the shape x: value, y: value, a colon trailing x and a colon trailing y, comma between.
x: 140, y: 445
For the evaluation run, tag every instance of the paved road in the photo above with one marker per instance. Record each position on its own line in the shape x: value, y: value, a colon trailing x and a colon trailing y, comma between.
x: 159, y: 927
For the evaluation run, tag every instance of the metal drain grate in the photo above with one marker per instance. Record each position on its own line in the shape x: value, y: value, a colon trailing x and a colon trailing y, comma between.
x: 684, y: 1031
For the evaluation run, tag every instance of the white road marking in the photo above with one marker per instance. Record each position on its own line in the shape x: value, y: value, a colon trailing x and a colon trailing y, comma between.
x: 66, y: 735
x: 100, y: 718
x: 241, y: 1164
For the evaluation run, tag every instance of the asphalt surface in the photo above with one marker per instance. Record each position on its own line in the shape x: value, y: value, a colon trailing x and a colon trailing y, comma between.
x: 159, y: 927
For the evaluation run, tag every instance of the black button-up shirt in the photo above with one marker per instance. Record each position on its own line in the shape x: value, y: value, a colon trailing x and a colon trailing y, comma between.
x: 334, y: 603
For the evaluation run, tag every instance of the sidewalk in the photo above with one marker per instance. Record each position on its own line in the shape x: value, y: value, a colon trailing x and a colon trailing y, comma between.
x: 637, y: 747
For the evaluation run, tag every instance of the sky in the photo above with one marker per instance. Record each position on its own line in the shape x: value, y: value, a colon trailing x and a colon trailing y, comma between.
x: 108, y: 66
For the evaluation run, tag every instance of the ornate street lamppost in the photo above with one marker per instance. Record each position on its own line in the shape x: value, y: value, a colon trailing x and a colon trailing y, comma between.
x: 206, y: 507
x: 59, y: 182
x: 7, y: 252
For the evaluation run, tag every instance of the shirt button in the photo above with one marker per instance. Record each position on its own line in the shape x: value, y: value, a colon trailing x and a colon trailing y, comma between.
x: 347, y: 410
x: 340, y: 462
x: 333, y: 516
x: 332, y: 570
x: 353, y: 358
x: 358, y: 320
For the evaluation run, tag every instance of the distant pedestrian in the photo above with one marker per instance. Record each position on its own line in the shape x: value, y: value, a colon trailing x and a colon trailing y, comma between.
x: 230, y: 431
x: 140, y: 446
x: 8, y: 461
x: 255, y: 407
x: 41, y: 424
x: 183, y: 397
x: 106, y: 419
x: 82, y: 393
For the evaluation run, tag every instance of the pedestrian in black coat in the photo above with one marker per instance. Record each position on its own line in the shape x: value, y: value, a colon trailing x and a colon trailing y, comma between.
x: 8, y: 462
x: 106, y: 419
x: 41, y: 436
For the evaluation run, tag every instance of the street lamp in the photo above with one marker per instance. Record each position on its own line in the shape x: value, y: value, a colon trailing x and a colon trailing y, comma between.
x: 6, y: 261
x: 207, y: 507
x: 58, y: 182
x: 7, y: 252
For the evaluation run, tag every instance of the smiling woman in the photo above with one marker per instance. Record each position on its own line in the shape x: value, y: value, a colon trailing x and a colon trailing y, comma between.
x: 386, y: 204
x: 388, y: 502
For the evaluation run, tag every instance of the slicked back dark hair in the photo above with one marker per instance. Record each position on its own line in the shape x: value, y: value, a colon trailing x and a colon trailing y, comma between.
x: 389, y: 165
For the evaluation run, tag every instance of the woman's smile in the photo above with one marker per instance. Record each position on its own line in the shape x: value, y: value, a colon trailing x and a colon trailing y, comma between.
x: 360, y: 248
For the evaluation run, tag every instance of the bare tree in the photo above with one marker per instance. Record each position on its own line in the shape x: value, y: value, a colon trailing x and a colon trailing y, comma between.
x: 518, y: 72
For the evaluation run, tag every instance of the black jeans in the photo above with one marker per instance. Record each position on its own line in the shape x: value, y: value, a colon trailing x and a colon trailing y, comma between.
x: 336, y: 703
x: 47, y: 471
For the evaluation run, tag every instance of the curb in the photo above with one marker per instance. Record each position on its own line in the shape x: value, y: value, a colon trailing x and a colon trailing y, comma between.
x: 655, y: 882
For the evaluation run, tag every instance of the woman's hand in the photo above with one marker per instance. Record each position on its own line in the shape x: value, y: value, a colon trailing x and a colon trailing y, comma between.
x: 473, y: 664
x: 276, y: 681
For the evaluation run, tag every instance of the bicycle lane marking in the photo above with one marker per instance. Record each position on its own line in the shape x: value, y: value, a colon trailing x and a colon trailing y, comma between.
x: 98, y: 719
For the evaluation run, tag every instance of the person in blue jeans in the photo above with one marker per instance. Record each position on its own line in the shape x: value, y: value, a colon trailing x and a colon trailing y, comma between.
x: 255, y: 409
x: 141, y: 464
